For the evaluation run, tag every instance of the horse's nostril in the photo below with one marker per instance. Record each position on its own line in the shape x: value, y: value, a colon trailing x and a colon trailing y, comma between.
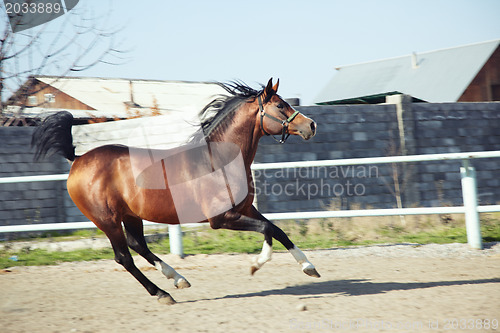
x: 313, y: 127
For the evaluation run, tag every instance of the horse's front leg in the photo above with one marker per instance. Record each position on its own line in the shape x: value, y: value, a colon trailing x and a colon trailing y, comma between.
x: 256, y: 222
x: 280, y: 236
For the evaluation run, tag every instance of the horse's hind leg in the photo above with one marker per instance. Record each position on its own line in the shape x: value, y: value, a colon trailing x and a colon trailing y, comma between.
x: 116, y: 236
x: 137, y: 242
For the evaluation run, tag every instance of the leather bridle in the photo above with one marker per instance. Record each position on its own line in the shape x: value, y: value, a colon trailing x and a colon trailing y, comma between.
x: 284, y: 123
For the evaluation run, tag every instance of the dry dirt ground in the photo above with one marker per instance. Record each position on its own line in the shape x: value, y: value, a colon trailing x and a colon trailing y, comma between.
x: 394, y: 288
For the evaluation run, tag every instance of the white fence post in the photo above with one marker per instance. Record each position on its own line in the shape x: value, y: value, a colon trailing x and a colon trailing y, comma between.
x: 175, y: 239
x: 469, y: 193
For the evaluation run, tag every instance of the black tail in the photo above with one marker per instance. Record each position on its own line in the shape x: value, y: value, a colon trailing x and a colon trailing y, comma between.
x: 54, y: 136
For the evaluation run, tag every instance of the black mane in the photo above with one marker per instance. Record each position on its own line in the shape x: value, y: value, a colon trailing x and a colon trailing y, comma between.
x: 218, y: 114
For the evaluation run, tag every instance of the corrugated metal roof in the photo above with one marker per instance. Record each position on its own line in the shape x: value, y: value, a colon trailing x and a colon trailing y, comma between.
x: 110, y: 95
x: 439, y: 76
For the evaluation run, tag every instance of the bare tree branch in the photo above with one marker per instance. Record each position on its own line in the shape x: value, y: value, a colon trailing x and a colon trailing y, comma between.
x: 75, y: 42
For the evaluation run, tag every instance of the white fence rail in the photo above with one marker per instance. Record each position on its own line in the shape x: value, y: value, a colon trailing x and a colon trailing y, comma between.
x: 469, y: 191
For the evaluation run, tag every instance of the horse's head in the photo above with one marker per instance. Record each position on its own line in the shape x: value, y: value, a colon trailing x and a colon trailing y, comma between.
x: 277, y: 117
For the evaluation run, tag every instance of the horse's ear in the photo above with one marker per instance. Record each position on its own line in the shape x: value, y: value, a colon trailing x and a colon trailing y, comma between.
x: 275, y: 87
x: 270, y: 89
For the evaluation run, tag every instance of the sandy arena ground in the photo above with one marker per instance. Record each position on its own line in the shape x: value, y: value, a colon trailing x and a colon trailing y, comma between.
x: 394, y: 288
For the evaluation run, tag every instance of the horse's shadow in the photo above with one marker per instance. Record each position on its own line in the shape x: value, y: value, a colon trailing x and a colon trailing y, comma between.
x: 353, y: 287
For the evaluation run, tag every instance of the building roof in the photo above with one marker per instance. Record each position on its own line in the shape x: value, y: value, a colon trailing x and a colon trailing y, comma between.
x: 115, y: 98
x: 112, y: 95
x: 436, y: 76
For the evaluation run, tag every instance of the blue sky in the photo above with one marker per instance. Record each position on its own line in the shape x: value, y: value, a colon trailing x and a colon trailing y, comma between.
x: 300, y: 42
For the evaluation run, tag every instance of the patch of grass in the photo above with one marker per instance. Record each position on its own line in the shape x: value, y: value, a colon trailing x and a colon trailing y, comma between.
x: 210, y: 241
x: 62, y: 235
x: 43, y: 257
x: 490, y: 227
x: 312, y: 234
x: 453, y: 235
x: 451, y: 231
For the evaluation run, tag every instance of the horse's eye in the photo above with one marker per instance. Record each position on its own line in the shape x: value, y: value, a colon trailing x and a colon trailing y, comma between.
x: 280, y: 106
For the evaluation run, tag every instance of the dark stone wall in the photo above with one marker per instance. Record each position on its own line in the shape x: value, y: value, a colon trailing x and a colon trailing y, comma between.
x: 356, y: 131
x: 353, y: 131
x: 31, y: 202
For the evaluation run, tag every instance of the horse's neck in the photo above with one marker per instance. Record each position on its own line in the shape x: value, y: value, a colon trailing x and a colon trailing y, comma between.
x: 246, y: 137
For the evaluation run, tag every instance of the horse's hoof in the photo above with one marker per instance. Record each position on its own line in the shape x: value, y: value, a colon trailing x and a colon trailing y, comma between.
x: 165, y: 298
x: 182, y: 283
x: 311, y: 271
x: 253, y: 269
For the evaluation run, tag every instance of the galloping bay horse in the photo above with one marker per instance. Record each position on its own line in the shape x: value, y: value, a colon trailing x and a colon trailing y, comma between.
x: 112, y: 184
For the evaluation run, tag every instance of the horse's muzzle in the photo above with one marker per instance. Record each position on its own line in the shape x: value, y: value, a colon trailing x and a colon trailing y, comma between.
x: 308, y: 129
